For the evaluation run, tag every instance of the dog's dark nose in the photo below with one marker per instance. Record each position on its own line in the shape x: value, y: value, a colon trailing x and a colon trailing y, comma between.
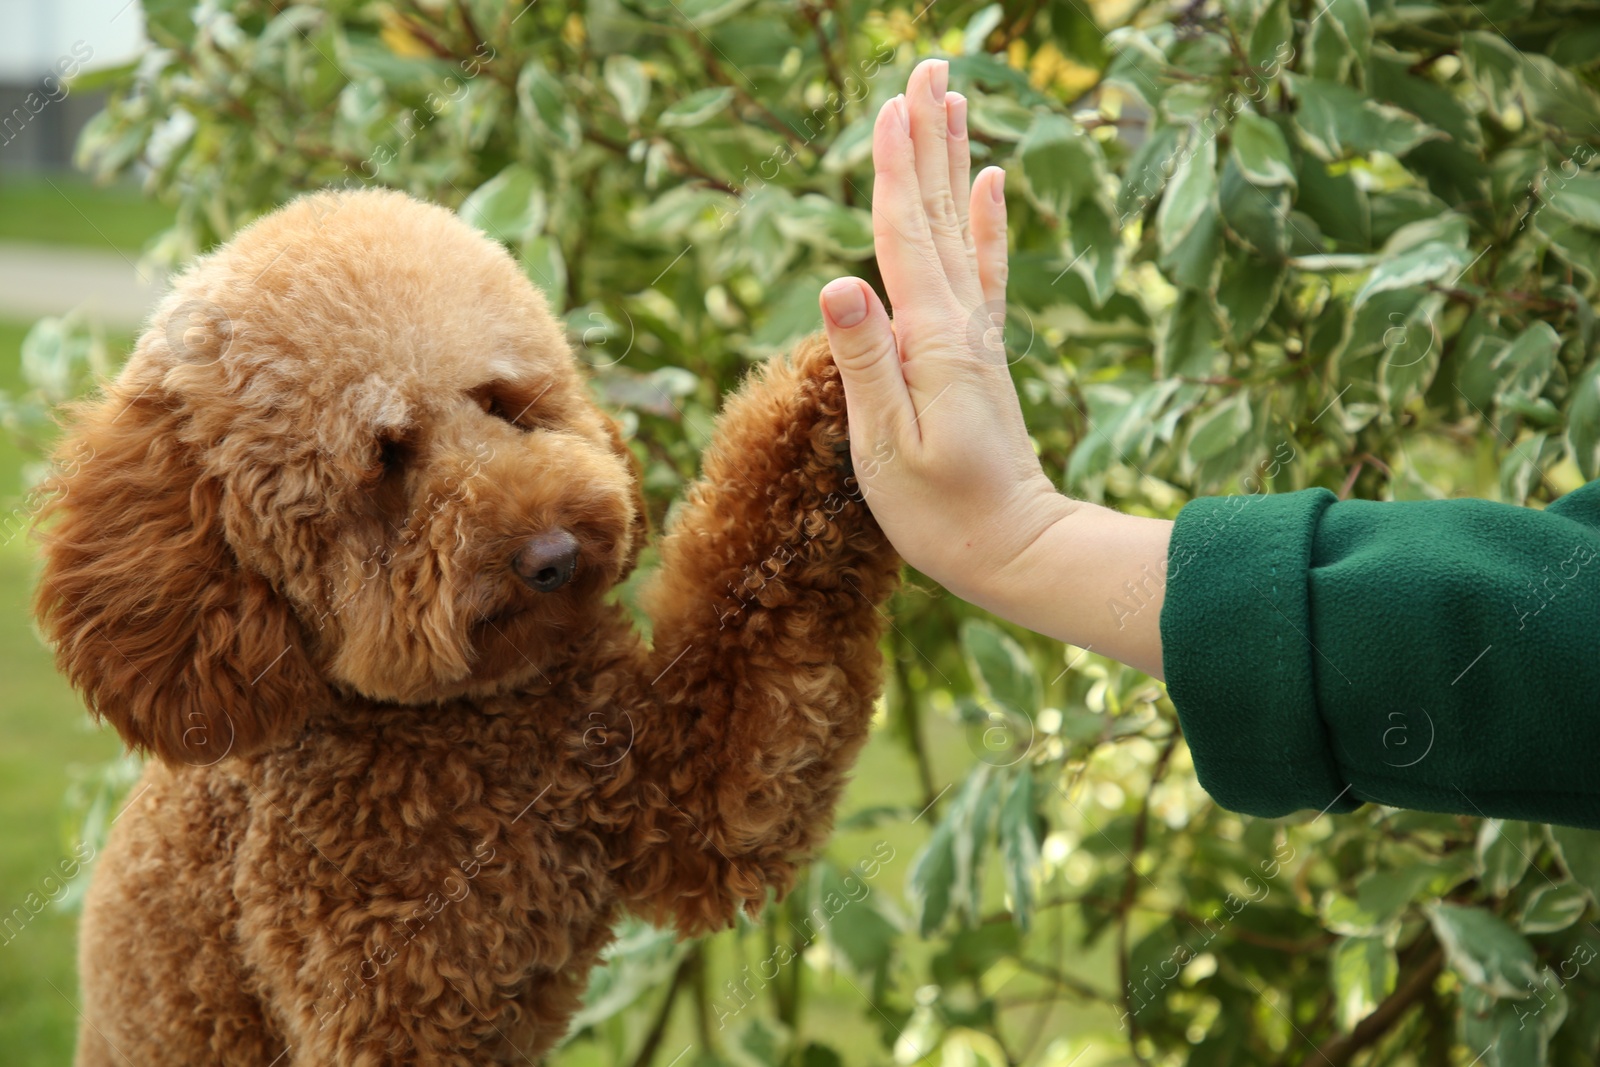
x: 547, y: 562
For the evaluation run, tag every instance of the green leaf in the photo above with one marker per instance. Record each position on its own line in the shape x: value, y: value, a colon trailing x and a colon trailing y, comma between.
x: 1385, y: 894
x: 542, y: 102
x: 1508, y: 1033
x: 979, y: 26
x: 1511, y: 1033
x: 1002, y: 669
x: 844, y: 232
x: 1579, y: 852
x: 628, y: 81
x: 1335, y: 121
x: 1526, y: 364
x: 1557, y: 95
x: 1271, y: 39
x: 1335, y: 202
x: 851, y: 148
x: 1578, y: 245
x: 697, y: 108
x: 1195, y: 261
x: 1522, y: 466
x: 1411, y: 351
x: 1259, y: 215
x: 792, y: 315
x: 639, y: 961
x: 1429, y: 263
x: 1146, y: 174
x: 1260, y: 151
x: 1363, y: 971
x: 1019, y: 847
x: 1061, y: 165
x: 1503, y: 854
x: 1190, y: 194
x: 1575, y: 198
x: 1553, y: 907
x: 932, y: 878
x: 1484, y: 950
x: 1339, y: 39
x: 508, y: 207
x: 703, y: 14
x: 546, y: 267
x: 973, y: 812
x: 1189, y: 343
x: 818, y: 1055
x: 1220, y: 428
x: 1583, y: 422
x: 1494, y: 66
x: 1093, y: 248
x: 672, y: 213
x: 1247, y: 292
x: 169, y: 22
x: 999, y: 117
x: 972, y: 952
x: 841, y: 903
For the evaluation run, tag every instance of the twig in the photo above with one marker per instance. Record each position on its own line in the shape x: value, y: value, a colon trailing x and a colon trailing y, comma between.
x: 717, y: 73
x: 1018, y: 28
x: 677, y: 163
x: 1350, y: 480
x: 1340, y: 1050
x: 814, y: 17
x: 913, y: 721
x: 1065, y: 981
x: 658, y: 1028
x: 1130, y: 887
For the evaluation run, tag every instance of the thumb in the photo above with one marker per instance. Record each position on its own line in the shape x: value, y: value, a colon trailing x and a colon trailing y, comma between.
x: 868, y: 360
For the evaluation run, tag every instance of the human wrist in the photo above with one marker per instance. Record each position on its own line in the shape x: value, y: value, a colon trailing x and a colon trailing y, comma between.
x: 1022, y: 533
x: 1086, y: 559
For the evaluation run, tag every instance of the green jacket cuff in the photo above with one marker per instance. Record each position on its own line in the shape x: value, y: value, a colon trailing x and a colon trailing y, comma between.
x: 1236, y: 573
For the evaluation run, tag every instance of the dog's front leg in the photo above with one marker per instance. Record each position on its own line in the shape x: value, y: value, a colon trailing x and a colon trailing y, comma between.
x: 767, y: 617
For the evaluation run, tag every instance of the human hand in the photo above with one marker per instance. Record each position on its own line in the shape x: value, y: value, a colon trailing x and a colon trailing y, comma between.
x: 936, y: 431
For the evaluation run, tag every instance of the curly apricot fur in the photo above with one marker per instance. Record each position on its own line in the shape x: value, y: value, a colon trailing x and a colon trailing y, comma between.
x: 400, y: 798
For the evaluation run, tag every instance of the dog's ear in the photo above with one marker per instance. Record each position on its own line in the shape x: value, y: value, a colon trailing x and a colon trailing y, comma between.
x: 639, y: 530
x: 187, y: 654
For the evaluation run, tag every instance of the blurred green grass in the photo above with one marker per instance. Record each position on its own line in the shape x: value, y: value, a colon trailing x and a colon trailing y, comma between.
x: 44, y: 732
x: 69, y: 209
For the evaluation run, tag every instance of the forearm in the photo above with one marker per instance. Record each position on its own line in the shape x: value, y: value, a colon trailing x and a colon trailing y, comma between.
x: 1095, y: 577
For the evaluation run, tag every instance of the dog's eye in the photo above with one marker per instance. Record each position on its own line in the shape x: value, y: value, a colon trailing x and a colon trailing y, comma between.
x: 520, y: 411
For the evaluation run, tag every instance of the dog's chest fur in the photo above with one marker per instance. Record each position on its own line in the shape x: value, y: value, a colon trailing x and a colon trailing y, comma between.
x: 451, y: 860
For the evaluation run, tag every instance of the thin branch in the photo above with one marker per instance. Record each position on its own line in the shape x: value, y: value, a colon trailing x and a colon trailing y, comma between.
x: 1065, y: 981
x: 1130, y: 888
x: 658, y: 1027
x: 677, y: 163
x: 814, y: 16
x: 1340, y: 1050
x: 744, y: 96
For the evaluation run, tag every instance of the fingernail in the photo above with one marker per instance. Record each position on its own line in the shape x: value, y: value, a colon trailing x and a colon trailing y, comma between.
x: 901, y: 110
x: 939, y: 79
x: 955, y: 109
x: 844, y: 302
x: 997, y: 186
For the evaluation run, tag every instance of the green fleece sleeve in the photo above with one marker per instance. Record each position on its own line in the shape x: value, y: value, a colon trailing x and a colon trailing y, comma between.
x: 1438, y: 655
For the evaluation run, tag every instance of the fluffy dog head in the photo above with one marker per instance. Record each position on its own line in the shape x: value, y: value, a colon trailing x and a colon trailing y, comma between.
x: 352, y: 451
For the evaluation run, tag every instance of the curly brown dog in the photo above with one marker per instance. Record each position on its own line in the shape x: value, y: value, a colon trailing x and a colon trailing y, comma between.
x: 335, y: 548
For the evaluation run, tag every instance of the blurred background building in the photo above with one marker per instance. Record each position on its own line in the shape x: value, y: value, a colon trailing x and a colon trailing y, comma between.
x: 40, y: 115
